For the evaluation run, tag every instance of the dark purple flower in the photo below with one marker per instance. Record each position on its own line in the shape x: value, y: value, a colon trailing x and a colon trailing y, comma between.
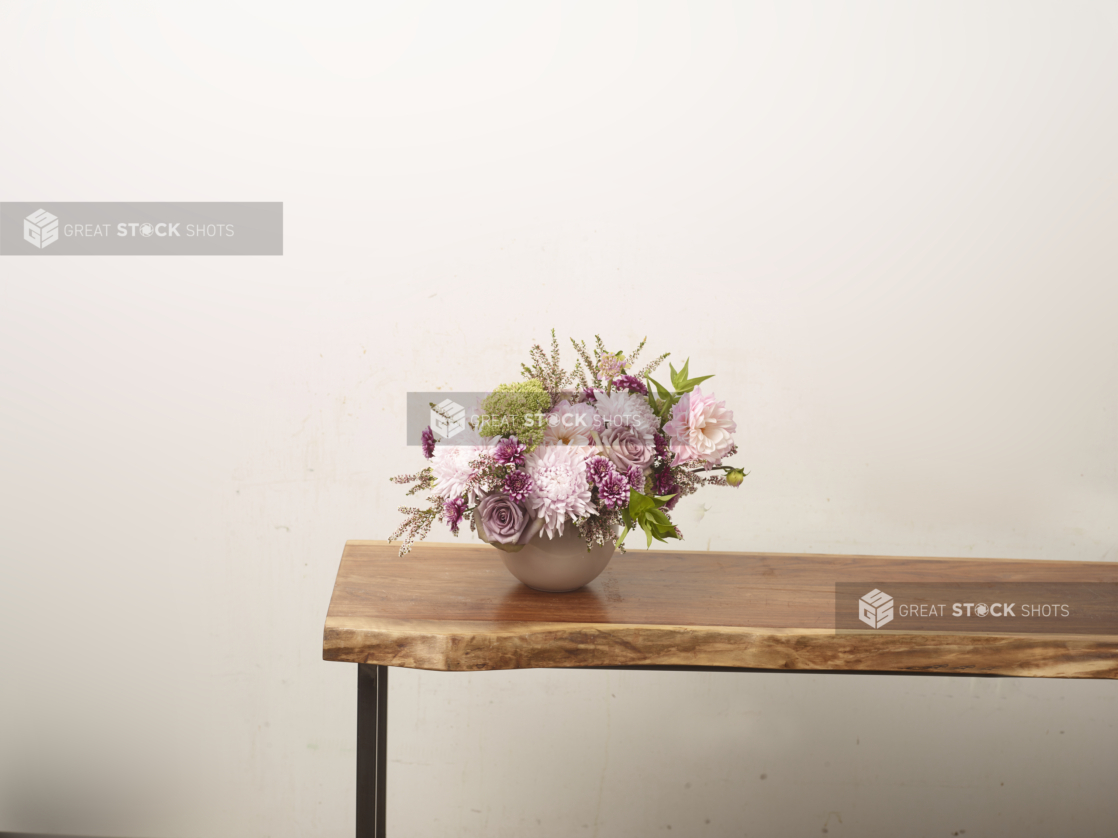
x: 630, y: 383
x: 502, y: 519
x: 517, y: 485
x: 428, y: 443
x: 454, y: 509
x: 597, y: 468
x: 663, y: 483
x: 635, y: 476
x: 509, y: 452
x: 588, y: 395
x: 663, y: 447
x: 613, y: 491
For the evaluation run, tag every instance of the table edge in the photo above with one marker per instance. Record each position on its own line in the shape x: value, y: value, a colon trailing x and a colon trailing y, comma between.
x: 475, y: 646
x: 756, y: 554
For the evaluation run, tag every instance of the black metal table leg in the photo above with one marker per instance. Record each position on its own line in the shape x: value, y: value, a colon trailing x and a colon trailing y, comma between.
x: 372, y: 750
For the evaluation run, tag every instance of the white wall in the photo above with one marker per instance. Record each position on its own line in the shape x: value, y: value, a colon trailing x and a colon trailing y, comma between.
x: 888, y: 229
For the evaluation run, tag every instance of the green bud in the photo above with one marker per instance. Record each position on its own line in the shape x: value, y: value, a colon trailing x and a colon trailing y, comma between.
x: 735, y: 476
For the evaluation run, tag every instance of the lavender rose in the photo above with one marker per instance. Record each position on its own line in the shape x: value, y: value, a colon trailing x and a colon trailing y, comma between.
x: 626, y: 447
x: 502, y: 519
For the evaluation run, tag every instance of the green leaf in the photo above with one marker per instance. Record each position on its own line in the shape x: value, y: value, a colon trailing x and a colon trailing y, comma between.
x: 681, y: 383
x: 663, y: 391
x: 690, y: 384
x: 678, y: 377
x: 624, y: 532
x: 639, y: 504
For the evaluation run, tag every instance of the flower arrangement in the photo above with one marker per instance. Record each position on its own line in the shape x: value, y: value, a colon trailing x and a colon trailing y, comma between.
x: 600, y: 449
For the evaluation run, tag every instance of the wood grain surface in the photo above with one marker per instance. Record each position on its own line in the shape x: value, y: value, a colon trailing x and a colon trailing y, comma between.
x: 455, y: 607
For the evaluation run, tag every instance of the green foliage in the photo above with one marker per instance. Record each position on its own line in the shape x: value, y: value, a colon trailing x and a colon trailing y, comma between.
x: 644, y: 511
x: 516, y: 410
x: 681, y: 385
x: 681, y: 382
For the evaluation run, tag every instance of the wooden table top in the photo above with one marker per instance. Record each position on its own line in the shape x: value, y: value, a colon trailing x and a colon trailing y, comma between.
x: 455, y: 607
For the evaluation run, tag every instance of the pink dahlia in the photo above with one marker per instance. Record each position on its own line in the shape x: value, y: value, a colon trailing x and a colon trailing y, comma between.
x: 560, y: 491
x: 700, y: 428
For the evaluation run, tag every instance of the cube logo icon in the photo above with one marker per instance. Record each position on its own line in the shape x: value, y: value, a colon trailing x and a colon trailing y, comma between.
x: 40, y: 228
x: 448, y: 418
x: 875, y: 609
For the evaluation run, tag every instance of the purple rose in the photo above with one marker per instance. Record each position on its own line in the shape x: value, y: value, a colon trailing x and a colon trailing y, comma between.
x: 626, y: 447
x: 501, y: 518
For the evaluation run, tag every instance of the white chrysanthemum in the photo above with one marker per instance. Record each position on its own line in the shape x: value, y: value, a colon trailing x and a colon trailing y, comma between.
x: 451, y: 466
x: 560, y: 490
x: 570, y: 424
x: 629, y: 409
x: 451, y: 462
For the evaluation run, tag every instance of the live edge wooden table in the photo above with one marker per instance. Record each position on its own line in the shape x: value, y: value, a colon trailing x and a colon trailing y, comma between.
x: 455, y: 608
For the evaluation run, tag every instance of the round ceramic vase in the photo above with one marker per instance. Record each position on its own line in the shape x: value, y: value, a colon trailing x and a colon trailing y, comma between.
x: 559, y: 564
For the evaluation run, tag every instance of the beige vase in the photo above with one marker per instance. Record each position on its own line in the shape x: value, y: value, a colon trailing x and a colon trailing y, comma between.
x: 559, y: 564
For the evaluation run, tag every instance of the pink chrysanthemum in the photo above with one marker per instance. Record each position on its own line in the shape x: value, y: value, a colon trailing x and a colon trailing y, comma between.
x: 560, y: 490
x: 701, y: 428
